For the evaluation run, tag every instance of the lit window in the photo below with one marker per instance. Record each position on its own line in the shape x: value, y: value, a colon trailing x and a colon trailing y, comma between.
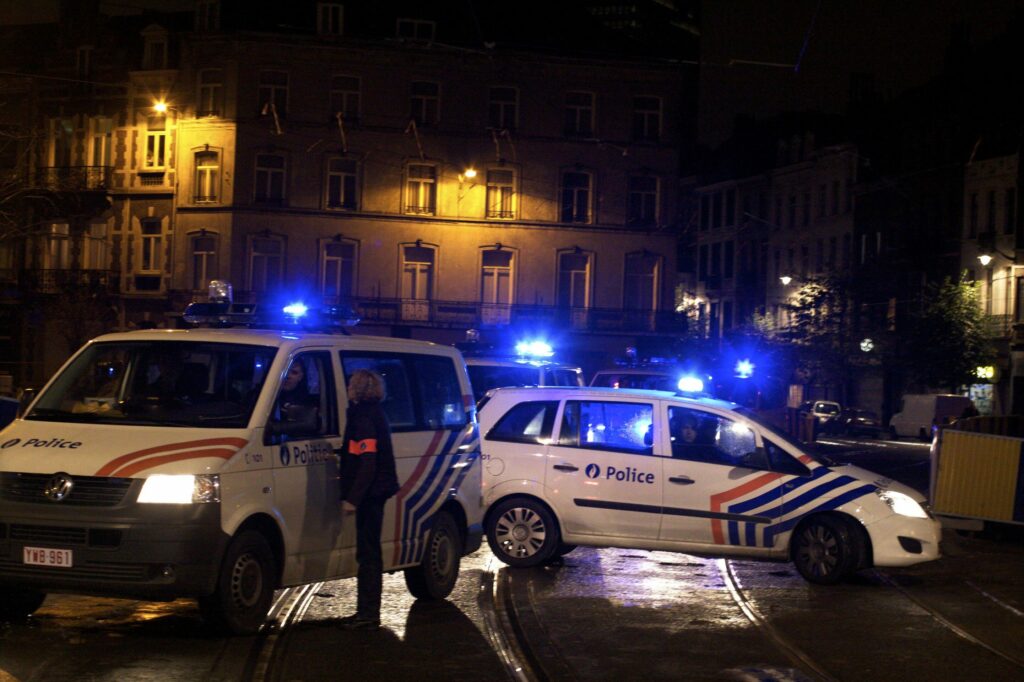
x: 341, y: 183
x: 150, y: 251
x: 496, y: 277
x: 94, y: 247
x: 421, y: 189
x: 156, y: 143
x: 500, y: 194
x: 207, y: 176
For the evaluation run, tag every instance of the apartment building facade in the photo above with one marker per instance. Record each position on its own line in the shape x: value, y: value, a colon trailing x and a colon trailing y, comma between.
x: 355, y: 157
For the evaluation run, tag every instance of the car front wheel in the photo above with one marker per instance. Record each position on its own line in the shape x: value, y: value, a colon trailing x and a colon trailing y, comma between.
x: 825, y: 550
x: 522, y: 532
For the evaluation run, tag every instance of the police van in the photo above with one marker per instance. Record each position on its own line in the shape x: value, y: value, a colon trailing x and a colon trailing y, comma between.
x: 529, y: 365
x: 656, y: 470
x: 159, y: 464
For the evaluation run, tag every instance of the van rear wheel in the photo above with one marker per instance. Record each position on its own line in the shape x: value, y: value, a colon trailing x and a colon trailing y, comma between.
x: 17, y: 604
x: 435, y: 577
x: 245, y: 586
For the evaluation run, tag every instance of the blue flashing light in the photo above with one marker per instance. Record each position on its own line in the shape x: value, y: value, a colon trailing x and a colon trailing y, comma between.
x: 691, y: 384
x: 534, y: 349
x: 295, y: 310
x: 744, y: 369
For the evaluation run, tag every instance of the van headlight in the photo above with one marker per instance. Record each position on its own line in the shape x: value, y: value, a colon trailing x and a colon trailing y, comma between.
x: 902, y: 504
x: 180, y: 489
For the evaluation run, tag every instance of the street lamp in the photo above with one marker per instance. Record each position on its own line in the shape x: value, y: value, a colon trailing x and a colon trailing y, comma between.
x: 785, y: 279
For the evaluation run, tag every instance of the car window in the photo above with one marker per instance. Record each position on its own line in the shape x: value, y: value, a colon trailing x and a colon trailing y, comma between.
x: 783, y: 462
x: 306, y: 405
x: 529, y: 422
x: 563, y: 377
x: 704, y: 437
x: 485, y: 377
x: 608, y: 425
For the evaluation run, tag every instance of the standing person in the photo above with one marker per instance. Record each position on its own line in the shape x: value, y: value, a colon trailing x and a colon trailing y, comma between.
x: 368, y: 479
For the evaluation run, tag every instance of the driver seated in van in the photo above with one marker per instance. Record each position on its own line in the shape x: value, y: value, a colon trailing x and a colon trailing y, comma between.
x: 296, y: 405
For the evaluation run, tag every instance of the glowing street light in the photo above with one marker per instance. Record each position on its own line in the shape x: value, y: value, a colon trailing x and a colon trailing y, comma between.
x: 785, y: 279
x: 160, y: 107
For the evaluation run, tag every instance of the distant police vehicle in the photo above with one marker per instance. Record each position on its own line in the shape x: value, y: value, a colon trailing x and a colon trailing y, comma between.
x: 530, y: 365
x: 162, y: 464
x: 655, y: 470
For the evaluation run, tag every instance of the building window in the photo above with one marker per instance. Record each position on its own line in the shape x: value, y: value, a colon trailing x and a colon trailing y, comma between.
x: 579, y: 114
x: 270, y: 178
x: 57, y: 255
x: 574, y: 279
x: 415, y: 29
x: 641, y: 284
x: 501, y: 193
x: 646, y: 119
x: 94, y: 247
x: 425, y: 103
x: 204, y: 260
x: 266, y: 260
x: 338, y: 260
x: 273, y: 93
x: 345, y: 97
x: 642, y: 209
x: 503, y: 108
x: 329, y: 17
x: 496, y: 276
x: 341, y: 183
x: 207, y: 173
x: 421, y: 189
x: 150, y: 246
x: 990, y: 222
x: 418, y: 272
x: 972, y: 219
x: 207, y: 15
x: 210, y: 101
x: 575, y: 206
x: 156, y: 143
x: 154, y: 56
x: 100, y: 132
x: 1009, y: 210
x: 83, y: 60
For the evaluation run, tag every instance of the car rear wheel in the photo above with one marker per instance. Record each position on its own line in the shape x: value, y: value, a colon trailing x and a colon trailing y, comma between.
x: 16, y: 604
x: 435, y: 577
x: 825, y: 550
x: 522, y: 532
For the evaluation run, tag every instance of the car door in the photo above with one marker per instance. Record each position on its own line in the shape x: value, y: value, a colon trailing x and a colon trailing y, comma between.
x: 717, y: 483
x: 601, y: 475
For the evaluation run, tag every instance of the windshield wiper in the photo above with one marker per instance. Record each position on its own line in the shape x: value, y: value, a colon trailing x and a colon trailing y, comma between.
x: 54, y: 414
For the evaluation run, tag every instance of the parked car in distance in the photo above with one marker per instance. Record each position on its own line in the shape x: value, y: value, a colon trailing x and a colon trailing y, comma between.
x: 853, y: 421
x: 823, y: 410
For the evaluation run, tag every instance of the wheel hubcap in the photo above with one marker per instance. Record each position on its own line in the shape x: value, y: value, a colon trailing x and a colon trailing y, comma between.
x: 246, y: 581
x: 520, y: 532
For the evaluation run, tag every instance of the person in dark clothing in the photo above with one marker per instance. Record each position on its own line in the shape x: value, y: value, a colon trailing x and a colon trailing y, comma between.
x: 295, y: 404
x: 368, y: 479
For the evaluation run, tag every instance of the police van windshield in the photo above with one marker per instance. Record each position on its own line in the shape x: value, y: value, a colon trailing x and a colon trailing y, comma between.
x: 159, y: 383
x: 485, y: 377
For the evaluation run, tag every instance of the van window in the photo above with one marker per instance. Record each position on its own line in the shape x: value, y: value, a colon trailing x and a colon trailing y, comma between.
x: 422, y: 392
x: 485, y: 377
x: 159, y: 383
x: 625, y: 427
x: 306, y: 405
x: 563, y: 377
x: 526, y: 423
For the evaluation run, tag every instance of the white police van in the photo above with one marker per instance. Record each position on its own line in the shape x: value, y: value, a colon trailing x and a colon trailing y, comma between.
x: 656, y: 470
x: 529, y: 365
x: 156, y: 464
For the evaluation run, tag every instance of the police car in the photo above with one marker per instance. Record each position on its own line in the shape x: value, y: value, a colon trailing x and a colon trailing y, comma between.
x: 656, y: 470
x: 528, y: 366
x: 158, y: 464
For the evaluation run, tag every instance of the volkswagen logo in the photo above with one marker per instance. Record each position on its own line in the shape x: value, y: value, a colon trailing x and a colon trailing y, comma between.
x: 58, y: 487
x: 593, y: 471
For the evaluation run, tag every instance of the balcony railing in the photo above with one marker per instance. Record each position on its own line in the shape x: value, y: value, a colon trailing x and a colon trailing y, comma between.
x: 48, y: 281
x: 74, y: 178
x: 459, y: 314
x: 998, y: 326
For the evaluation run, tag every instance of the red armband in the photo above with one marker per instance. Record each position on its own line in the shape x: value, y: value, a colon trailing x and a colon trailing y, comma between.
x: 359, y: 447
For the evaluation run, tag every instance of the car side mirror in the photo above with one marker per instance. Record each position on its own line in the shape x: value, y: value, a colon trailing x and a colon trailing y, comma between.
x: 27, y: 396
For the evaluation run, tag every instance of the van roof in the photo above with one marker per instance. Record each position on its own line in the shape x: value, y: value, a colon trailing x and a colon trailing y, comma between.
x: 266, y: 337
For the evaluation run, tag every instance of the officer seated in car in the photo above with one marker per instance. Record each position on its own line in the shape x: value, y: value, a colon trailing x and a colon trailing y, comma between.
x: 693, y: 443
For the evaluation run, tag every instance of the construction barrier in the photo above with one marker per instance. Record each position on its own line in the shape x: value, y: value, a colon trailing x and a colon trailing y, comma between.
x: 978, y: 476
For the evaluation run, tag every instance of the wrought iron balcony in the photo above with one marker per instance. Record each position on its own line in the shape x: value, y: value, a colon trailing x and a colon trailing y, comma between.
x: 74, y: 178
x: 50, y: 281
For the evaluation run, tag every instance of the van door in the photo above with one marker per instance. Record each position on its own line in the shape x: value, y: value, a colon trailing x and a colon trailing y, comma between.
x: 302, y: 433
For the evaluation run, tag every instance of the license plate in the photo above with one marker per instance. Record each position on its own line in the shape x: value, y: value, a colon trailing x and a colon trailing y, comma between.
x: 46, y: 556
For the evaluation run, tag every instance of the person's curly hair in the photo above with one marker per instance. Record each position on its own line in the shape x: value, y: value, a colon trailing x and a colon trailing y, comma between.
x: 365, y: 386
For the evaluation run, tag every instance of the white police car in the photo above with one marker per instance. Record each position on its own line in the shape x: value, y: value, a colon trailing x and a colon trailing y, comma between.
x: 161, y: 464
x: 655, y: 470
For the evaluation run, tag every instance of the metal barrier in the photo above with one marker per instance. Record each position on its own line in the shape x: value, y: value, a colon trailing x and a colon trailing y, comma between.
x: 978, y: 476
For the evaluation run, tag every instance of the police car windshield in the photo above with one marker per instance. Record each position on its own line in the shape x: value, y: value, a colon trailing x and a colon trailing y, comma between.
x: 485, y: 377
x: 159, y: 383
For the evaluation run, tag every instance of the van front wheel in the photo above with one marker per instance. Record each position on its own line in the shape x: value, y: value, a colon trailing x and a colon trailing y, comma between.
x: 435, y: 577
x: 245, y: 586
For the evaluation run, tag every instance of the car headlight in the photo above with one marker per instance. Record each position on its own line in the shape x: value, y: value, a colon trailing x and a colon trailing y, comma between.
x: 902, y: 504
x: 180, y: 489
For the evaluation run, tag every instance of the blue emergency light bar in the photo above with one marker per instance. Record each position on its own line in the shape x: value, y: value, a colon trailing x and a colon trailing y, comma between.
x: 220, y: 311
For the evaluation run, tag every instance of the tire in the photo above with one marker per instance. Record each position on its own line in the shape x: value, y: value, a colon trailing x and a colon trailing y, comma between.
x: 18, y: 604
x: 435, y: 577
x: 522, y: 532
x: 245, y: 587
x: 825, y: 550
x: 922, y: 435
x: 564, y: 549
x: 893, y: 434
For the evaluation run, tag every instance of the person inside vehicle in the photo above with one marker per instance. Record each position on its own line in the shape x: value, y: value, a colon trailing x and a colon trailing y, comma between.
x: 691, y: 443
x: 296, y: 406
